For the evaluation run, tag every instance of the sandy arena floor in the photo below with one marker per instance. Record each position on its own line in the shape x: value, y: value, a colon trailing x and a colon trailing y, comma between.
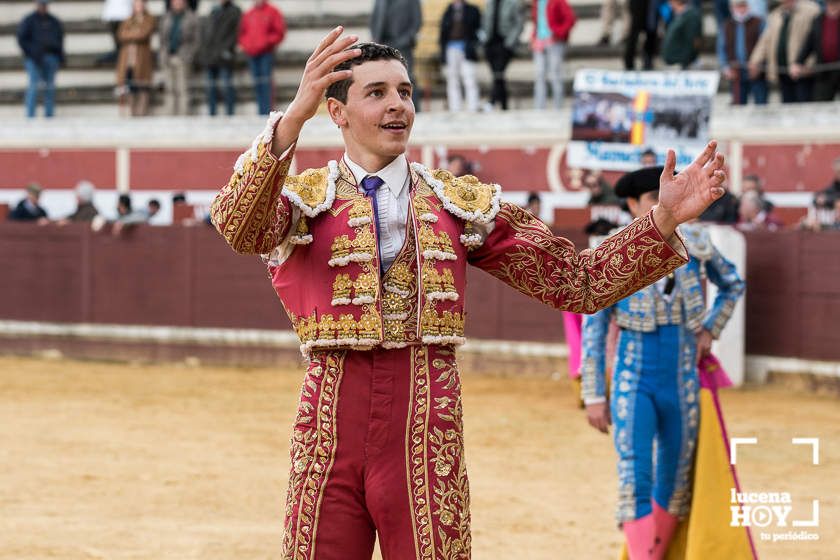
x: 113, y: 461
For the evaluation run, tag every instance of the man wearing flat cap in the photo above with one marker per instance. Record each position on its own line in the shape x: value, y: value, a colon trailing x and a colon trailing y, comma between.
x: 663, y: 330
x: 28, y: 209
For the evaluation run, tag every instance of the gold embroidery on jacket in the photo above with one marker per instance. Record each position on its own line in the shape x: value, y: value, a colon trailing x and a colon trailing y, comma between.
x: 248, y: 211
x: 313, y: 446
x: 583, y: 282
x: 342, y: 287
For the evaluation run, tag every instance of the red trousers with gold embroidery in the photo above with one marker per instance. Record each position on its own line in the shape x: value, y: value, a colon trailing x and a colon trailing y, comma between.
x: 377, y: 447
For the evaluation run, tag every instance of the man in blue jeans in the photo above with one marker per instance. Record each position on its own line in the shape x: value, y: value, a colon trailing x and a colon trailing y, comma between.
x: 218, y: 53
x: 41, y: 38
x: 261, y: 29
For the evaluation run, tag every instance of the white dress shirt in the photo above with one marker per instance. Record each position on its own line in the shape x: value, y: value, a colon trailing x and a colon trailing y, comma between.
x: 392, y: 201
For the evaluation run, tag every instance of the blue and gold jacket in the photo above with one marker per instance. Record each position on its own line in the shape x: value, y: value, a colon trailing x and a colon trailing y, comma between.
x: 647, y: 309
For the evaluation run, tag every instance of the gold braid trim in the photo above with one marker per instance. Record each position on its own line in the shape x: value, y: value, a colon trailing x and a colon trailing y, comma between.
x: 248, y: 211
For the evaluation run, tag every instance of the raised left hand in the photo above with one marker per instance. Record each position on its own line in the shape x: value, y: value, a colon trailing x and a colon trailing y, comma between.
x: 685, y: 196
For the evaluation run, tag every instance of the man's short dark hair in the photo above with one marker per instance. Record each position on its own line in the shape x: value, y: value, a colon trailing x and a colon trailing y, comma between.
x: 533, y: 197
x: 370, y: 52
x: 155, y: 203
x: 125, y: 200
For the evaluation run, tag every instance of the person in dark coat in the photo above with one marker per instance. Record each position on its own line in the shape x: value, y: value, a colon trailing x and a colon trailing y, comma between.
x: 458, y: 51
x: 28, y: 209
x: 644, y: 18
x: 396, y: 23
x: 217, y: 53
x: 41, y: 38
x: 501, y: 27
x: 823, y: 41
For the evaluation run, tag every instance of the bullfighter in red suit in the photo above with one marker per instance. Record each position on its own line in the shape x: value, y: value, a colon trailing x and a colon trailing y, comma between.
x: 368, y: 256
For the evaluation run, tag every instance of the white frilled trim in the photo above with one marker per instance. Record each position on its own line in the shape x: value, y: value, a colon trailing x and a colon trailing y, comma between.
x: 454, y: 340
x: 439, y: 255
x: 471, y: 240
x: 390, y: 344
x: 341, y: 301
x: 428, y: 217
x: 439, y: 296
x: 356, y: 222
x: 395, y: 316
x: 363, y: 300
x: 477, y: 216
x: 395, y: 290
x: 309, y: 345
x: 264, y: 138
x: 329, y: 197
x: 301, y: 239
x: 352, y: 257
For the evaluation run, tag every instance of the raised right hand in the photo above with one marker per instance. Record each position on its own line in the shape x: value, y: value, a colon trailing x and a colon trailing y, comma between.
x: 318, y: 74
x: 598, y: 415
x: 317, y: 77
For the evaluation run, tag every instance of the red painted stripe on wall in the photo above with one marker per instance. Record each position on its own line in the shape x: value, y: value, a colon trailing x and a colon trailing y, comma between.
x: 57, y: 169
x: 181, y: 169
x: 791, y: 167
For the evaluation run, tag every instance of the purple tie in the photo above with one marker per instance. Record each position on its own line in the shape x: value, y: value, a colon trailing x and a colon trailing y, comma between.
x: 370, y: 184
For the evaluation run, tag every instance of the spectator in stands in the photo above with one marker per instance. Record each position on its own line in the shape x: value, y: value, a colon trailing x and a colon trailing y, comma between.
x: 753, y: 183
x: 458, y: 43
x: 178, y: 44
x: 28, y: 209
x: 780, y: 43
x: 823, y: 42
x: 114, y: 12
x: 610, y: 11
x: 152, y: 208
x: 501, y: 27
x: 534, y: 204
x: 684, y: 35
x: 752, y: 214
x: 644, y: 17
x: 600, y: 191
x: 741, y: 32
x: 262, y: 28
x: 40, y: 36
x: 193, y: 4
x: 832, y: 192
x: 553, y: 22
x: 127, y: 217
x: 459, y: 165
x: 722, y: 211
x: 648, y: 158
x: 396, y: 23
x: 135, y: 63
x: 218, y: 53
x: 85, y: 210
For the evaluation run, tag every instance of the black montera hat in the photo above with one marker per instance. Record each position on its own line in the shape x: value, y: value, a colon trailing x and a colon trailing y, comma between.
x: 636, y: 183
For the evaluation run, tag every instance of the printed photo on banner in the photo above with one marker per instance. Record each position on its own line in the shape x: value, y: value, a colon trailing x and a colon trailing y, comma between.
x: 618, y: 115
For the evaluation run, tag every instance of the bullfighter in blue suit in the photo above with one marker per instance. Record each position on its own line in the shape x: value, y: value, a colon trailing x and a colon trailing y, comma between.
x: 663, y: 330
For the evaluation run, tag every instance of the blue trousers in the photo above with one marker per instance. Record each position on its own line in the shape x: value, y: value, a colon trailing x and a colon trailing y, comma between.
x: 213, y: 75
x: 41, y: 78
x: 261, y: 66
x: 654, y: 405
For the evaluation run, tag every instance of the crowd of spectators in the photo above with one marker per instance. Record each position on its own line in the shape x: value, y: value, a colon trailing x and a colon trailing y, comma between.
x: 124, y: 216
x: 795, y: 47
x: 751, y: 210
x: 186, y: 44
